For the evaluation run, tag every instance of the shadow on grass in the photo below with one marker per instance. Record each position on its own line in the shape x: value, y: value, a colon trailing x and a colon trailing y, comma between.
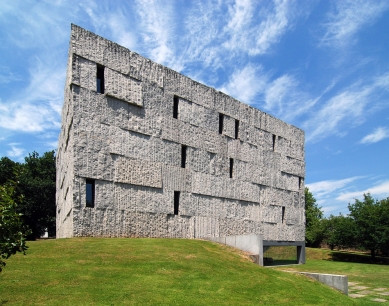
x: 357, y: 258
x: 281, y: 262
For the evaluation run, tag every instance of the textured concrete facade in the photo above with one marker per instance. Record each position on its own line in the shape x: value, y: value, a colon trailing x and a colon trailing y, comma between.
x: 127, y: 141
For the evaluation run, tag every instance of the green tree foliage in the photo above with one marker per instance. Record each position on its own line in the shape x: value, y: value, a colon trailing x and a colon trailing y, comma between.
x: 37, y: 185
x: 384, y: 222
x: 7, y: 170
x: 339, y: 231
x: 371, y: 223
x: 313, y: 217
x: 12, y: 230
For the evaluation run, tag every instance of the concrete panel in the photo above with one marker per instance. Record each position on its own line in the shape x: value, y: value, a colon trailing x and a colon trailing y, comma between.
x: 123, y: 87
x: 251, y: 243
x: 339, y: 282
x: 138, y: 172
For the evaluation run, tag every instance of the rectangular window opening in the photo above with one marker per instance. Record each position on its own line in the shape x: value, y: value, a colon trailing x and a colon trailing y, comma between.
x: 100, y: 79
x: 90, y: 193
x: 231, y: 167
x: 236, y: 128
x: 274, y: 142
x: 175, y: 107
x: 221, y: 122
x: 176, y: 202
x: 300, y: 182
x: 283, y: 214
x: 183, y: 156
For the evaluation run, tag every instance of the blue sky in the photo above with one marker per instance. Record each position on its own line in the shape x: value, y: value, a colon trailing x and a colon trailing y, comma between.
x: 322, y: 66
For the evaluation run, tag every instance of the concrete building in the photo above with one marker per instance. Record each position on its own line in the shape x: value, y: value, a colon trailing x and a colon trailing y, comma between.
x: 147, y: 152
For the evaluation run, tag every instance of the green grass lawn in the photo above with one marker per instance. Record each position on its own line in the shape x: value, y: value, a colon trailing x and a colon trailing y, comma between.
x: 365, y: 274
x: 113, y: 271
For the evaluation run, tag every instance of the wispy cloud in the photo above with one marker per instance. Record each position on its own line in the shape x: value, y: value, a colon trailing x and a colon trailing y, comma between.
x: 8, y: 76
x: 379, y: 134
x: 323, y: 188
x: 255, y: 38
x: 157, y: 22
x: 117, y: 19
x: 347, y: 108
x: 51, y: 145
x: 380, y: 190
x: 244, y: 84
x: 15, y: 151
x: 348, y: 17
x: 38, y: 106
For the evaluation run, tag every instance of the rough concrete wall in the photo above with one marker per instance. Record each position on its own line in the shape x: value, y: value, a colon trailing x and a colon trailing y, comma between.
x: 128, y: 142
x: 65, y: 163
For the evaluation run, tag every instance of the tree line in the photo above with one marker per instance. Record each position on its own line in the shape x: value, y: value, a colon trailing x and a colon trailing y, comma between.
x: 366, y: 227
x: 27, y: 202
x: 34, y: 190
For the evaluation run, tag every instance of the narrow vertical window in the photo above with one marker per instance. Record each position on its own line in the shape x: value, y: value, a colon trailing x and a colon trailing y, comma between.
x: 176, y: 202
x: 283, y: 214
x: 236, y: 128
x: 90, y: 193
x: 175, y: 107
x: 183, y: 156
x: 231, y: 167
x: 100, y: 79
x: 274, y: 142
x: 299, y: 182
x: 221, y: 122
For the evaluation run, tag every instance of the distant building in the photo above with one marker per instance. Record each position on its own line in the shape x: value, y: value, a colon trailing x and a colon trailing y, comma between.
x: 147, y: 152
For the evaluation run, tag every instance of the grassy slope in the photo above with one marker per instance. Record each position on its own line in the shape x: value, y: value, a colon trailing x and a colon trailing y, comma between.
x: 365, y: 274
x: 151, y: 272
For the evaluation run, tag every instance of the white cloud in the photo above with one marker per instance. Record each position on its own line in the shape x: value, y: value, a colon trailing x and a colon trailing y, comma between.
x: 245, y: 84
x: 15, y: 150
x: 52, y: 145
x: 380, y: 190
x: 118, y: 23
x: 8, y: 76
x: 117, y: 19
x: 278, y: 90
x: 323, y: 188
x: 157, y: 23
x: 348, y: 108
x: 256, y: 33
x: 38, y: 106
x: 379, y: 134
x: 349, y: 17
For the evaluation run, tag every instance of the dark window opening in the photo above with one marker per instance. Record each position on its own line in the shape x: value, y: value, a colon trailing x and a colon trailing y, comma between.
x: 299, y: 182
x: 66, y: 193
x: 236, y: 128
x: 175, y: 107
x: 183, y: 156
x: 176, y: 201
x: 274, y: 142
x: 90, y: 193
x: 283, y: 214
x: 221, y: 122
x: 231, y: 166
x: 100, y: 79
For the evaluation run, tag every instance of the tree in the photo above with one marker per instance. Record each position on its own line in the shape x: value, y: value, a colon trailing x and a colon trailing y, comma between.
x: 12, y: 230
x: 313, y: 217
x: 7, y: 170
x: 384, y: 226
x: 371, y: 220
x: 339, y: 231
x: 37, y: 185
